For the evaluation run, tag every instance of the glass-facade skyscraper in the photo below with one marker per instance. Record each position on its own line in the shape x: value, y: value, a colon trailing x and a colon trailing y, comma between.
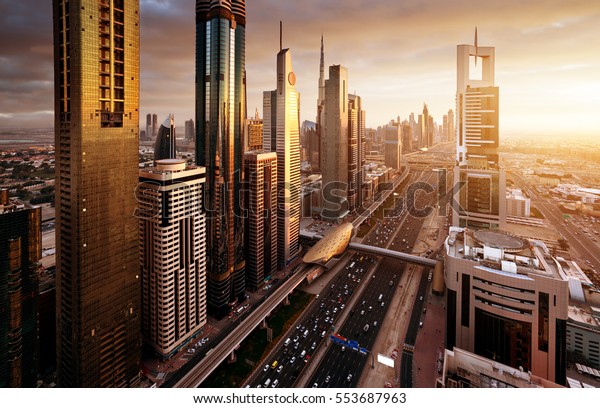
x: 96, y: 105
x: 220, y: 118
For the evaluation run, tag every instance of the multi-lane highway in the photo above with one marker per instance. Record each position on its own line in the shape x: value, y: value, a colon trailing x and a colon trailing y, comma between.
x: 341, y: 367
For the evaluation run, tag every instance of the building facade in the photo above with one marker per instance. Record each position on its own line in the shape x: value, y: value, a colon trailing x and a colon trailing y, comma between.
x: 479, y: 180
x: 172, y: 226
x: 20, y: 251
x: 334, y: 145
x: 507, y: 300
x: 281, y: 134
x: 220, y: 119
x: 393, y: 146
x: 190, y: 130
x: 96, y: 56
x: 356, y: 150
x: 260, y: 169
x: 255, y: 133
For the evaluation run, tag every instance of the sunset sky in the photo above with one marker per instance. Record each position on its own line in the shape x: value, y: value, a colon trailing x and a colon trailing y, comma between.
x: 399, y: 54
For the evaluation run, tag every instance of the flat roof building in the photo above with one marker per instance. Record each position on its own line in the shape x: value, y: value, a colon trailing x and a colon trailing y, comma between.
x: 507, y: 300
x: 172, y: 225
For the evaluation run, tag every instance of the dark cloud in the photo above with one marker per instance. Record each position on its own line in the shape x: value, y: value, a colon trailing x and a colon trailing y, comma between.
x: 399, y: 53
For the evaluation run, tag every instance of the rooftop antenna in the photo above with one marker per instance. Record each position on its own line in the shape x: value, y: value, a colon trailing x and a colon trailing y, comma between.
x: 280, y: 35
x: 475, y: 45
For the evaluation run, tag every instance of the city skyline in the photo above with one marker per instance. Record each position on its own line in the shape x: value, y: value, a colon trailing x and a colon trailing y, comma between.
x: 546, y: 73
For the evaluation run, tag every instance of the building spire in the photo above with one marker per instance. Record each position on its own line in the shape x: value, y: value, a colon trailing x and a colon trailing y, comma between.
x: 322, y: 75
x: 280, y: 35
x: 475, y: 45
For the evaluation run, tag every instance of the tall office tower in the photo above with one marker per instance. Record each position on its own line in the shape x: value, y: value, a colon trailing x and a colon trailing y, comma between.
x: 451, y: 128
x: 255, y: 133
x: 149, y: 126
x: 320, y: 108
x: 444, y: 131
x: 20, y: 250
x: 480, y: 185
x: 406, y: 134
x: 220, y: 117
x: 165, y: 146
x: 96, y: 136
x: 308, y: 133
x: 281, y: 134
x: 172, y: 225
x: 334, y: 145
x: 507, y: 300
x: 393, y: 146
x: 356, y: 150
x: 154, y: 124
x: 425, y: 129
x: 415, y: 130
x: 260, y: 168
x: 190, y: 132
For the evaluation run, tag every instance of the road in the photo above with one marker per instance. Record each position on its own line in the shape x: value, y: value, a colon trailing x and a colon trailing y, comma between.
x: 584, y: 246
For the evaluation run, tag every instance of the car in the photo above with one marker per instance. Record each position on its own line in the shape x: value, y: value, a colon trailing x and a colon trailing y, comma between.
x: 275, y: 383
x: 343, y: 348
x: 375, y: 323
x: 315, y: 385
x: 335, y: 310
x: 390, y: 283
x: 323, y: 333
x: 349, y: 378
x: 327, y: 379
x: 421, y: 324
x: 274, y: 365
x: 362, y: 312
x: 296, y: 345
x: 280, y: 368
x: 292, y: 360
x: 266, y: 368
x: 382, y: 304
x: 424, y: 310
x: 307, y: 358
x: 370, y: 308
x: 312, y: 347
x: 421, y: 298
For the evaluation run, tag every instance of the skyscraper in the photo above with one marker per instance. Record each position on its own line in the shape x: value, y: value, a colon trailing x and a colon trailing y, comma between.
x: 190, y: 132
x: 165, y: 146
x: 148, y: 126
x: 451, y: 128
x: 406, y: 133
x: 96, y: 137
x: 260, y: 169
x: 320, y: 109
x: 172, y: 254
x: 154, y: 124
x: 20, y: 249
x: 334, y: 145
x: 479, y: 181
x: 393, y: 146
x: 281, y: 134
x: 220, y: 116
x: 356, y: 150
x: 255, y: 133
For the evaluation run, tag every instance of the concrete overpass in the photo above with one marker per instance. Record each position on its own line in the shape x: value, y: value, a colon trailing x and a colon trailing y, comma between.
x: 227, y: 347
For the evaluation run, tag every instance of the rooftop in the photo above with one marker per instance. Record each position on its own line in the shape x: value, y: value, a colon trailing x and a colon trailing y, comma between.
x: 503, y: 252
